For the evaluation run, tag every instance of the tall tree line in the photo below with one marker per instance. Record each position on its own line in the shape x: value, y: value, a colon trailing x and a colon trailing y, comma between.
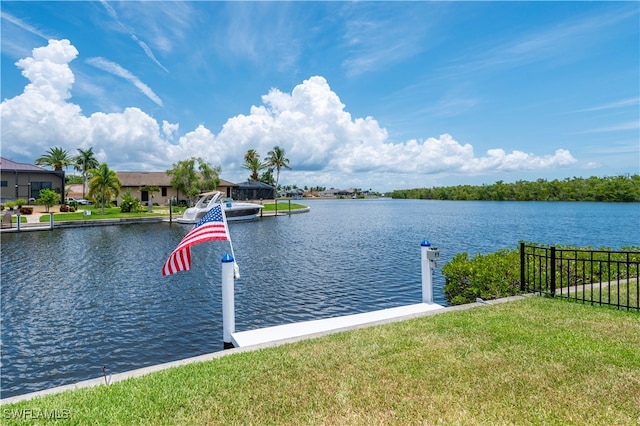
x: 622, y: 188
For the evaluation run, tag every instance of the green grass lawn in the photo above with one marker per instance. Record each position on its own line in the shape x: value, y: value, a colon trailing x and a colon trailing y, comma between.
x: 114, y: 212
x: 623, y: 293
x: 282, y: 206
x: 109, y: 213
x: 529, y: 362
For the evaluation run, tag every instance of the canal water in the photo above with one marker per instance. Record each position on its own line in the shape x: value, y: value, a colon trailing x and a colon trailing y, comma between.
x: 75, y: 300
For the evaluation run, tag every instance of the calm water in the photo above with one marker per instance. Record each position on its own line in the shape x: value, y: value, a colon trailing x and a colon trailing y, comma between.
x: 74, y: 300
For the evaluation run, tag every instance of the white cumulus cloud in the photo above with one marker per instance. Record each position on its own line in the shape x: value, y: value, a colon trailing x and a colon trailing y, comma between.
x: 325, y: 145
x: 169, y: 129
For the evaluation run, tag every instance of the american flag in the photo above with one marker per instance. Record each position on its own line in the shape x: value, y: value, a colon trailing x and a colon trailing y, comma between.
x: 213, y: 226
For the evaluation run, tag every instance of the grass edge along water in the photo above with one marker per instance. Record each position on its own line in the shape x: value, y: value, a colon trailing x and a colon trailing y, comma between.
x: 532, y: 361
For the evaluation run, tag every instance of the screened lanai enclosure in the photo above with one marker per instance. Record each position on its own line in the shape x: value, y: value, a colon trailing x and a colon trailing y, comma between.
x: 253, y: 191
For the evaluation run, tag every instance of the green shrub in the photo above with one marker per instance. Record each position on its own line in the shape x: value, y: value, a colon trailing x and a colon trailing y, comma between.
x: 129, y: 204
x: 48, y: 198
x: 497, y: 274
x: 490, y: 276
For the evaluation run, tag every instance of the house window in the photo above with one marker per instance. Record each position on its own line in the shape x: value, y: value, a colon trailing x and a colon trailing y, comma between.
x: 164, y: 191
x: 4, y: 184
x: 37, y: 186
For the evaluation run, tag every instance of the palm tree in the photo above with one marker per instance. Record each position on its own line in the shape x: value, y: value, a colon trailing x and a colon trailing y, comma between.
x: 84, y: 161
x: 104, y: 183
x: 253, y: 164
x: 267, y: 177
x: 250, y: 155
x: 56, y: 157
x: 275, y: 158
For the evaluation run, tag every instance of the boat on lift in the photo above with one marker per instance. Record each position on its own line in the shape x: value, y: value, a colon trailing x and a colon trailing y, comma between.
x: 233, y: 210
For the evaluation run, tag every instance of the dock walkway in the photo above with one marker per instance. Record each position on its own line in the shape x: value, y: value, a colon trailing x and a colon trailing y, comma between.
x: 319, y: 327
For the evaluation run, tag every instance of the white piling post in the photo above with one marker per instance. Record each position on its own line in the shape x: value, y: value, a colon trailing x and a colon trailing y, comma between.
x: 50, y: 220
x: 427, y: 285
x: 228, y: 311
x: 428, y: 254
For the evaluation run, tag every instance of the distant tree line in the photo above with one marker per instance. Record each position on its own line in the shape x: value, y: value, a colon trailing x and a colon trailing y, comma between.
x: 623, y: 188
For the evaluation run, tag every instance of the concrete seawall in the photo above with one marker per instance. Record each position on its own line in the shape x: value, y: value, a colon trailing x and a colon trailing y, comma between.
x: 107, y: 222
x: 45, y: 226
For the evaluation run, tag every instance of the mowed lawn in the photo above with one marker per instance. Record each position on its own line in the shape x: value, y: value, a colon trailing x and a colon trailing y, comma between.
x: 533, y: 361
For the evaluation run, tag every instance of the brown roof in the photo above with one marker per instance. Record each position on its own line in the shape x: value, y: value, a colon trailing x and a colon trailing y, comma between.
x: 153, y: 179
x: 144, y: 178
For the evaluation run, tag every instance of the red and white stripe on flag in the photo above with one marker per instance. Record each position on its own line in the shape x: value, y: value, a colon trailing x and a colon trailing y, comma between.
x: 212, y: 226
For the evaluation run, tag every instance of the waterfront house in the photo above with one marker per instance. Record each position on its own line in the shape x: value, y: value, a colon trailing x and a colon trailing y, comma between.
x: 134, y: 181
x: 334, y: 193
x: 22, y: 180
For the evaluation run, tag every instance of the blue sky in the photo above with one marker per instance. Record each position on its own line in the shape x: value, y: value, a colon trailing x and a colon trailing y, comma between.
x: 380, y: 95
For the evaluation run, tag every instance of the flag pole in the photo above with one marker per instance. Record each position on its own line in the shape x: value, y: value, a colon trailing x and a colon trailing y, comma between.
x: 236, y: 269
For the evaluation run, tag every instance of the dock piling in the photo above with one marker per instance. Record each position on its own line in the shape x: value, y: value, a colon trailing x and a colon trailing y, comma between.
x: 429, y: 255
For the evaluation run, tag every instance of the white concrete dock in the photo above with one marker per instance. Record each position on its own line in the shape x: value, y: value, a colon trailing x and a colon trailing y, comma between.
x: 316, y: 327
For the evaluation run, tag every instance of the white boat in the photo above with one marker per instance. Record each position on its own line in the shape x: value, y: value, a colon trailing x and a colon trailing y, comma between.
x: 233, y: 210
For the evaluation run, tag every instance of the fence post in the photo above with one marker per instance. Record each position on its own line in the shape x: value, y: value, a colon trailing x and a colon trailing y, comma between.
x: 553, y: 271
x: 228, y: 311
x: 522, y: 274
x: 50, y: 220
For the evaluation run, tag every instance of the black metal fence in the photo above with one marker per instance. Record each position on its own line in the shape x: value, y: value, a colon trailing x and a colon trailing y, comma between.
x: 592, y: 276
